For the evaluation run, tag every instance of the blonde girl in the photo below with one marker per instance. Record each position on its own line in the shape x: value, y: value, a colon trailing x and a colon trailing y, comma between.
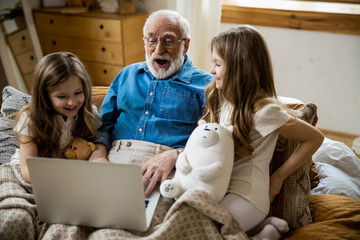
x: 243, y: 94
x: 60, y: 109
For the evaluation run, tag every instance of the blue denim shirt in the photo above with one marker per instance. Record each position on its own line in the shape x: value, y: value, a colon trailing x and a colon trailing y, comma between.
x: 165, y: 111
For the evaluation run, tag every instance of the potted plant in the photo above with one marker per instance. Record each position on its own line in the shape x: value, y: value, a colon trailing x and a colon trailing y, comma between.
x: 15, y: 13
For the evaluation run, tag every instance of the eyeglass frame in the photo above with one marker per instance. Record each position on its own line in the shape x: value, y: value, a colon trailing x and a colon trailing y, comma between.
x: 145, y: 38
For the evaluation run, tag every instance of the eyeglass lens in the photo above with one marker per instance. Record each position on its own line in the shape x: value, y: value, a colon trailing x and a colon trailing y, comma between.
x: 168, y: 42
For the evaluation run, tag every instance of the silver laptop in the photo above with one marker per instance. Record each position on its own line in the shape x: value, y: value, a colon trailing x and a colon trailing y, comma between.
x: 102, y: 195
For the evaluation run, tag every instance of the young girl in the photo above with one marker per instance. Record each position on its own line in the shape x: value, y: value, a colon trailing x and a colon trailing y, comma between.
x: 60, y: 109
x: 242, y: 94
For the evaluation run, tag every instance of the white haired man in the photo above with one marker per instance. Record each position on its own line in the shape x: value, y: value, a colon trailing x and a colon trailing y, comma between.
x: 152, y: 107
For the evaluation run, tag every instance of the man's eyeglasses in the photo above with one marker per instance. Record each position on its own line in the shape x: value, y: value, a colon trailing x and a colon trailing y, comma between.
x: 167, y: 42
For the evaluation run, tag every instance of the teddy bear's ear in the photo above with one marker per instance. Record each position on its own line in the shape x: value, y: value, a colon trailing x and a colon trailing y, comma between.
x: 230, y: 128
x: 92, y: 146
x: 201, y: 121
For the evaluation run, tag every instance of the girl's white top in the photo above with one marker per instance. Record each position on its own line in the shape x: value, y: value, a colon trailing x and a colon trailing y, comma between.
x: 251, y: 177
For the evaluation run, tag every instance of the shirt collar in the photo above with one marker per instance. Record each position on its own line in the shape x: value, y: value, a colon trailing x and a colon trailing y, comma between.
x: 183, y: 75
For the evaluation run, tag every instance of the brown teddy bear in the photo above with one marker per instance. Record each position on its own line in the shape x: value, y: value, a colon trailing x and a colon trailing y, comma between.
x: 79, y: 149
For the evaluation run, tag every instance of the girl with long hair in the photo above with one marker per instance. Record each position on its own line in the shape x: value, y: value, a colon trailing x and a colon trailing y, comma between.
x: 243, y: 94
x: 60, y: 109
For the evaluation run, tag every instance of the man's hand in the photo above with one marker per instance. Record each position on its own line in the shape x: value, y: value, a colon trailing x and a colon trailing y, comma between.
x: 158, y: 168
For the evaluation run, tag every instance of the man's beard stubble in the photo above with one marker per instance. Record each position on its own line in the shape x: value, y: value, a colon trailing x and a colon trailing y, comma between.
x: 175, y: 64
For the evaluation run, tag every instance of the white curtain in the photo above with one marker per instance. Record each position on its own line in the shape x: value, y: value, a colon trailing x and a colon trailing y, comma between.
x: 204, y: 17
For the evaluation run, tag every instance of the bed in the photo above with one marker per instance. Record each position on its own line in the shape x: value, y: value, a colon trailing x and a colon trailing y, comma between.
x: 321, y: 200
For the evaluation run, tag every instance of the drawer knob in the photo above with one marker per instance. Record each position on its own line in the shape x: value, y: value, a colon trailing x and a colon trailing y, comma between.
x: 54, y: 42
x: 23, y: 38
x: 103, y: 49
x: 105, y: 71
x: 51, y: 21
x: 101, y: 26
x: 32, y: 57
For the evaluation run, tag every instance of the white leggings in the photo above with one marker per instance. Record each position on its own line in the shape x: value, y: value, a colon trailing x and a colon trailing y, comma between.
x: 244, y: 211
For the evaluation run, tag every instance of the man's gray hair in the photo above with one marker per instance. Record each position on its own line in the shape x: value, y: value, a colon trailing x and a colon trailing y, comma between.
x: 183, y: 24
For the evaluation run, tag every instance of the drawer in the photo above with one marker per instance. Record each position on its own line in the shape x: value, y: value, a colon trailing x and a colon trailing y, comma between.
x: 26, y: 61
x: 133, y: 43
x: 20, y: 41
x: 102, y: 74
x: 77, y: 26
x: 97, y: 51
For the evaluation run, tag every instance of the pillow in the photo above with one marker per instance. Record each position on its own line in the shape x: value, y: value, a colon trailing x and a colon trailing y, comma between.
x: 292, y: 203
x: 338, y: 168
x: 12, y: 101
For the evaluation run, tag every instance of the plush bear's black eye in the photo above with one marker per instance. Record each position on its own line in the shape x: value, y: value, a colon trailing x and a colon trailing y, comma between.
x: 75, y: 148
x: 215, y: 128
x: 70, y: 146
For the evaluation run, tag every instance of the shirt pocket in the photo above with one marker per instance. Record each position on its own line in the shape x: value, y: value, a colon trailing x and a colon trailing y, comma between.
x: 180, y: 104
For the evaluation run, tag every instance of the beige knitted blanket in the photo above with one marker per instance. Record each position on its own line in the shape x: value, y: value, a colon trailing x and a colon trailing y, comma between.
x: 193, y: 216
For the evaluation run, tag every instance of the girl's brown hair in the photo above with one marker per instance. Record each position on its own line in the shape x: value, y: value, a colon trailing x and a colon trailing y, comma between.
x: 51, y: 71
x: 247, y: 84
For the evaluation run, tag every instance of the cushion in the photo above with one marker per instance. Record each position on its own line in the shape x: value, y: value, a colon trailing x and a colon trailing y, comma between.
x: 12, y: 101
x: 338, y: 168
x: 98, y: 94
x: 314, y: 176
x: 335, y: 217
x: 292, y: 203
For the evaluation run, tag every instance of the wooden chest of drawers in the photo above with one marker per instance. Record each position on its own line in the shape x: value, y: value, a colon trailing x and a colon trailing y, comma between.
x: 22, y: 49
x: 105, y: 42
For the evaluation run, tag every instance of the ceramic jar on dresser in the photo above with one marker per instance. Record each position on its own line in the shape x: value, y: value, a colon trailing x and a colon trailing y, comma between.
x: 105, y: 42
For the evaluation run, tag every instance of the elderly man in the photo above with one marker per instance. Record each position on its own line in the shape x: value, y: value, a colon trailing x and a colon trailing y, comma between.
x: 152, y: 107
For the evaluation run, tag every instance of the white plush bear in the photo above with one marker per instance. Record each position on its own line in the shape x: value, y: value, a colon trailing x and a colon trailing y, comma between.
x: 206, y: 163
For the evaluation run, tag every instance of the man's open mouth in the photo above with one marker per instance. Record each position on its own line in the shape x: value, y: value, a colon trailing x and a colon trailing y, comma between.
x: 161, y: 62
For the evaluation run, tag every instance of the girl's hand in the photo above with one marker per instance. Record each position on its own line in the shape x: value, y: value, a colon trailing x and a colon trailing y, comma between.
x: 28, y: 148
x: 310, y: 139
x: 276, y: 183
x: 99, y: 160
x: 100, y: 154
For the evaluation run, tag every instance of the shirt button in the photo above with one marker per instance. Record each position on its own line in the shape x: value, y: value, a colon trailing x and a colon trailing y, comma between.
x: 151, y: 93
x: 128, y: 144
x: 147, y: 112
x: 140, y: 129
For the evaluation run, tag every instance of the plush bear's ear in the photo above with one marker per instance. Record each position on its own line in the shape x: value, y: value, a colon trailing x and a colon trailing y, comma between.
x: 201, y: 121
x: 230, y: 128
x: 92, y: 146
